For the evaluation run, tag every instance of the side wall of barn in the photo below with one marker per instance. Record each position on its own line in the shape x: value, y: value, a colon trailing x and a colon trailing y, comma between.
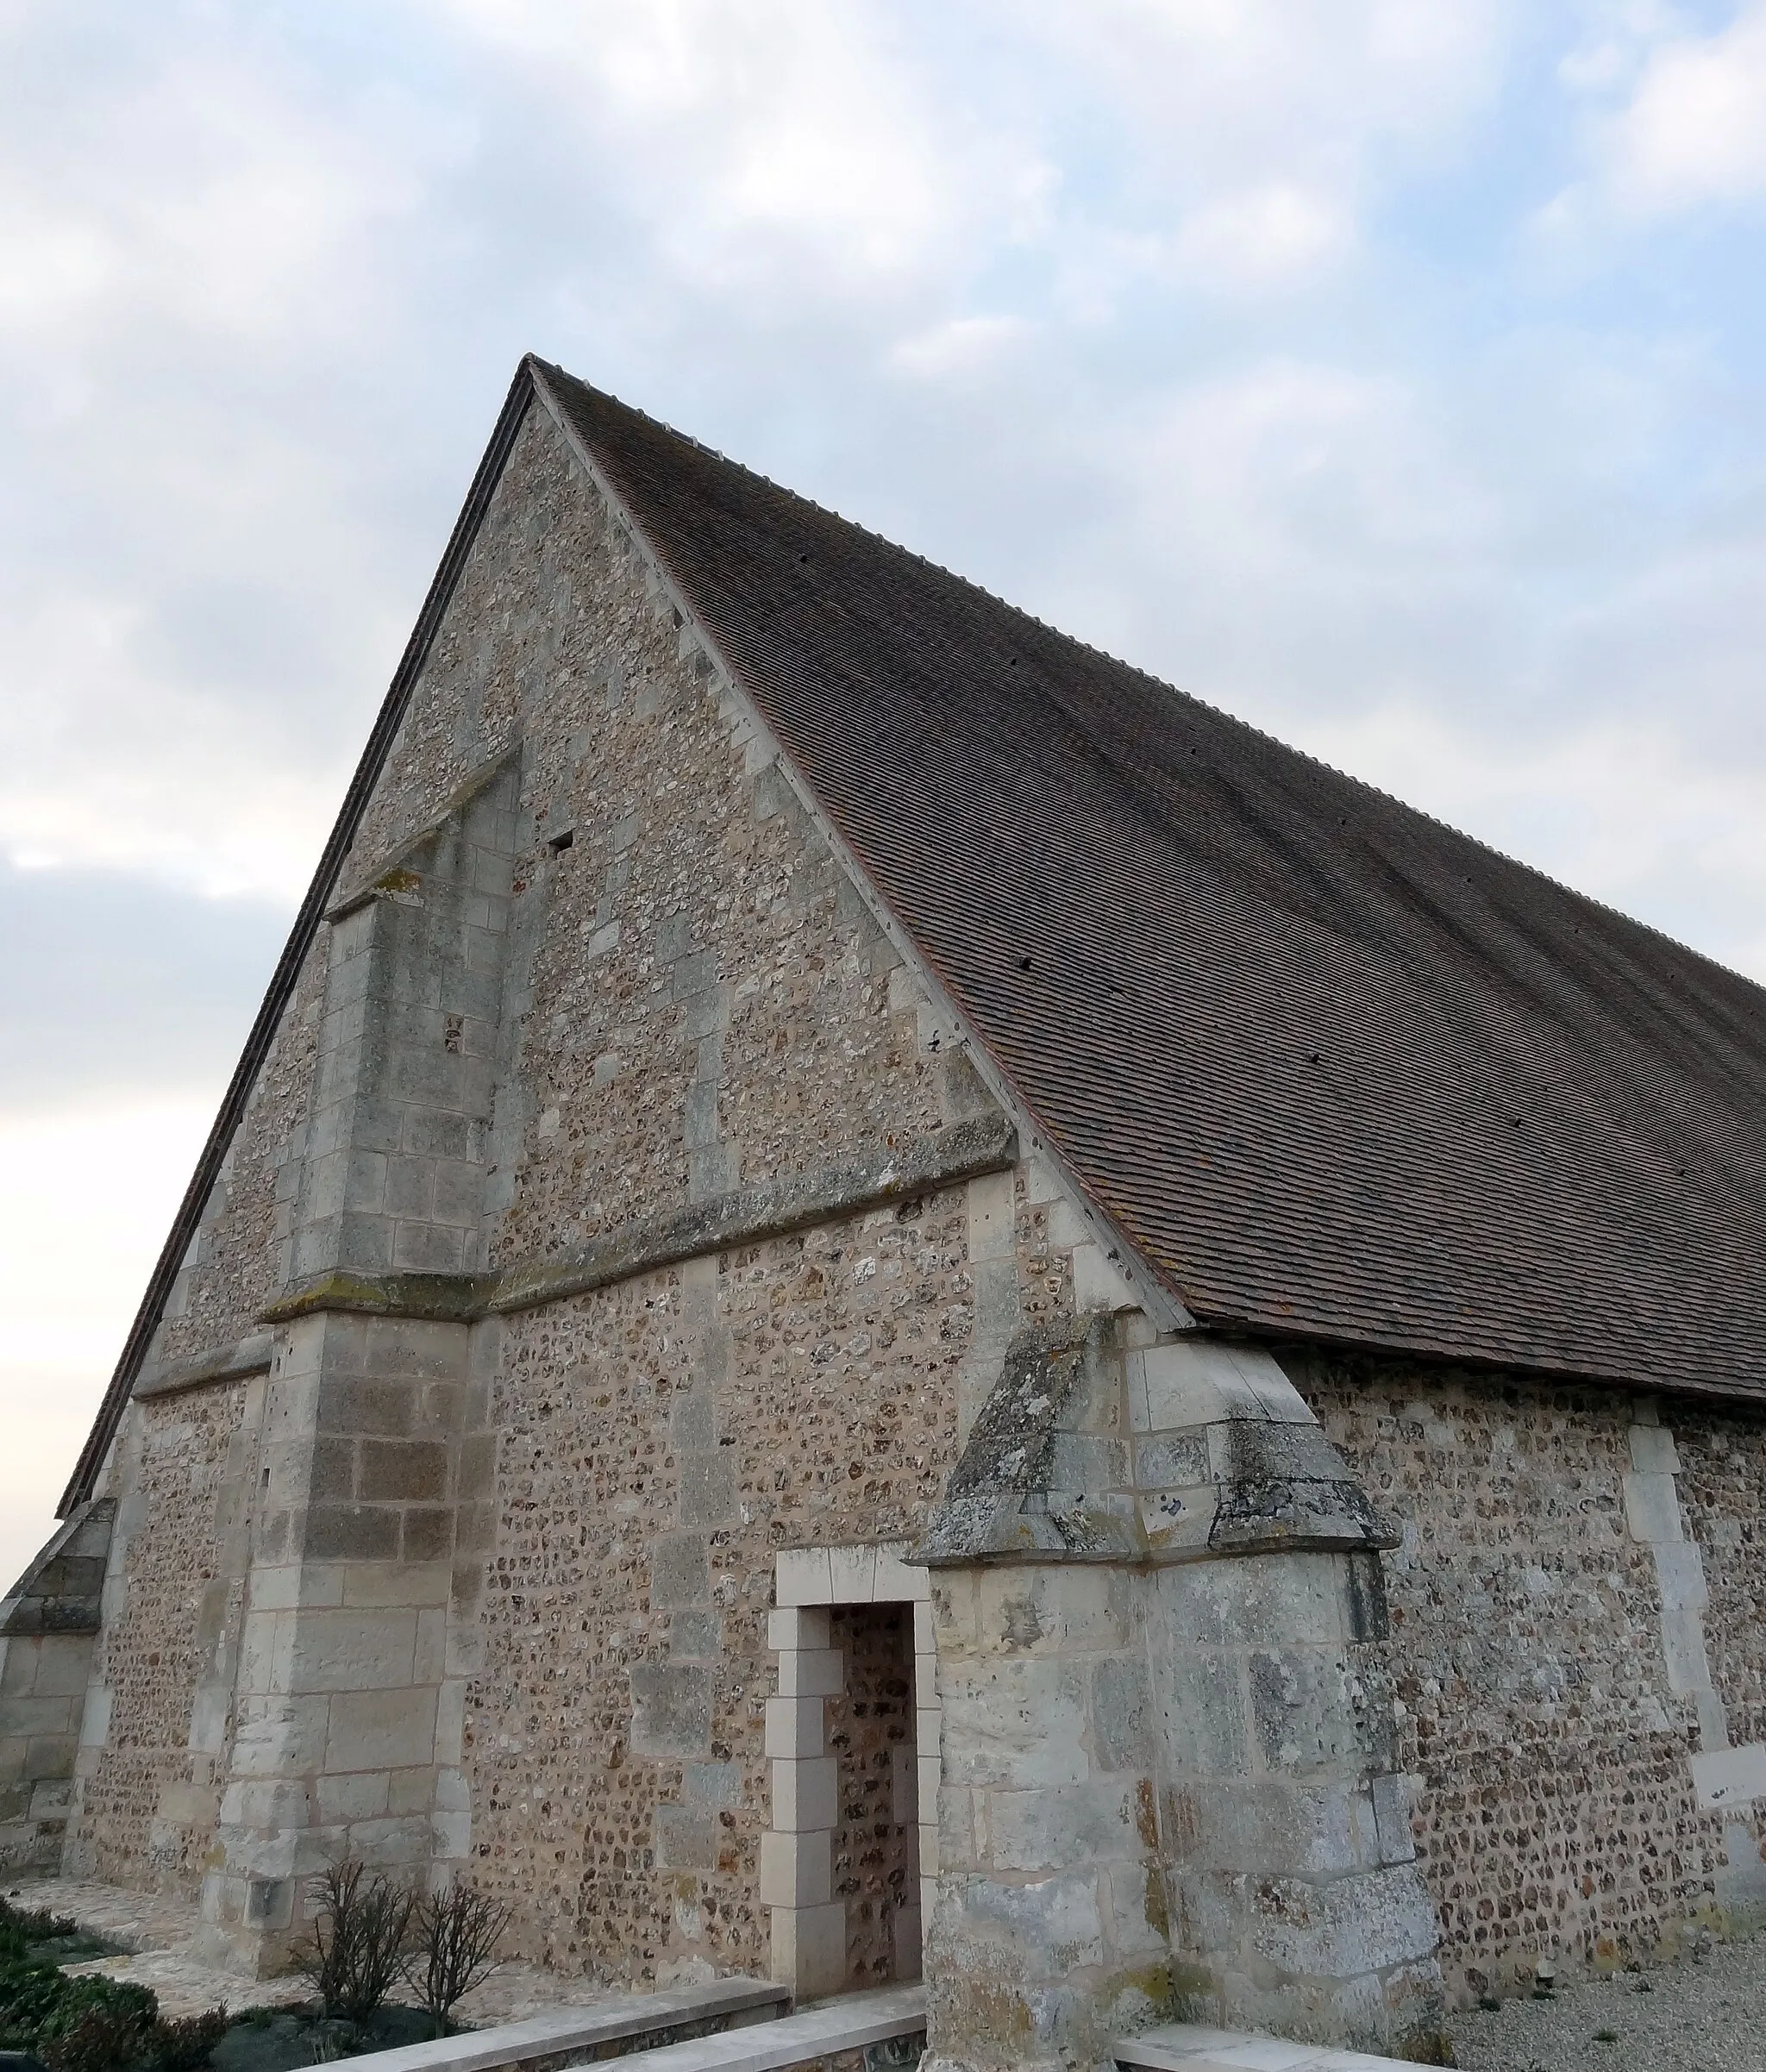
x: 1576, y: 1655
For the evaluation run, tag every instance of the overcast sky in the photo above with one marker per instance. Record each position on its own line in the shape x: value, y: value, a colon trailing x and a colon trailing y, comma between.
x: 1387, y: 372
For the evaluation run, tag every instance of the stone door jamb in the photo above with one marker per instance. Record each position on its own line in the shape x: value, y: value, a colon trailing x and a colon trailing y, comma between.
x: 797, y: 1851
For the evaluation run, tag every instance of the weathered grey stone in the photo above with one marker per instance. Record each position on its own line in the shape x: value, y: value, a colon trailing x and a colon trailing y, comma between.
x: 1122, y: 1715
x: 685, y: 1838
x: 680, y: 1574
x: 671, y: 1710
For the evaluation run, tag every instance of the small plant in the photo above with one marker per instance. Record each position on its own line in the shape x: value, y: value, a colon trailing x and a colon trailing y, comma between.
x: 454, y: 1948
x: 360, y: 1929
x: 106, y: 2036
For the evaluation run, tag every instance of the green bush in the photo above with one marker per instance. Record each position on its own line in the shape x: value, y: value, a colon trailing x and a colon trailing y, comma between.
x: 88, y: 2024
x: 22, y: 1927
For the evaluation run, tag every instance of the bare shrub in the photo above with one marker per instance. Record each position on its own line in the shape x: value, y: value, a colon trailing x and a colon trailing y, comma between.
x: 452, y: 1948
x: 360, y: 1929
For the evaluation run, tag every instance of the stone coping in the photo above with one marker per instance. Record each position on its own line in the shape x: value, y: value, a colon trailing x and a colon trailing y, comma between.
x: 576, y: 2033
x: 1190, y: 2047
x: 248, y: 1356
x: 847, y: 2023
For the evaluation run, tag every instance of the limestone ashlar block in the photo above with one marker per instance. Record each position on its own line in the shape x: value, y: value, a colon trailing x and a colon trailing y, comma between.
x: 1136, y: 1912
x: 380, y: 1729
x: 797, y: 1626
x: 1202, y: 1713
x: 277, y: 1735
x: 1062, y: 1912
x: 1290, y: 1600
x: 1274, y: 1827
x: 353, y: 1532
x: 1652, y: 1509
x: 367, y: 1405
x: 50, y: 1756
x: 1173, y: 1387
x: 928, y: 1777
x: 1348, y: 1928
x: 809, y: 1948
x: 402, y: 1470
x: 1652, y: 1449
x: 1122, y: 1716
x: 852, y: 1575
x: 801, y: 1576
x: 797, y: 1869
x: 685, y: 1837
x: 1050, y: 1830
x: 1064, y: 1609
x: 351, y: 1649
x: 796, y: 1727
x: 1100, y: 1282
x: 361, y: 1795
x: 450, y: 1821
x: 427, y: 1248
x: 806, y: 1793
x: 992, y: 1217
x: 1730, y: 1777
x: 671, y: 1710
x: 1010, y: 1725
x: 426, y: 1532
x: 812, y: 1673
x: 401, y: 1585
x: 894, y: 1581
x: 1305, y: 1716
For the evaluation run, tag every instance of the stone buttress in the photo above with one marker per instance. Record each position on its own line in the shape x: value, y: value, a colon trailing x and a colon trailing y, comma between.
x: 343, y: 1693
x: 1169, y: 1778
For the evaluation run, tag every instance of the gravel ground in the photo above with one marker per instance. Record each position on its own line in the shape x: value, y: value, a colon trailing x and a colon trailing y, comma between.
x: 1707, y: 2015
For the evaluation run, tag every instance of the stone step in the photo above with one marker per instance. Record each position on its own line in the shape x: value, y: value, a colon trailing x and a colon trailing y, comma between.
x: 811, y: 2038
x: 1191, y: 2047
x: 627, y: 2027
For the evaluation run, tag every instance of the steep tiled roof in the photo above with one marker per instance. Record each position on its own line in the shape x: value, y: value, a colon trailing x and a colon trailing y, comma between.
x: 1335, y: 1069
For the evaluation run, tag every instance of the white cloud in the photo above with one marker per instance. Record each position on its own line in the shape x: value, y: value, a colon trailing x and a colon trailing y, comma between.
x: 764, y: 138
x: 1695, y: 128
x: 1677, y: 121
x: 214, y: 197
x: 960, y: 346
x: 1266, y: 238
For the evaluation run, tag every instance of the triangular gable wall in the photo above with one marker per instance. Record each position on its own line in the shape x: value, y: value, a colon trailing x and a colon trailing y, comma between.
x: 531, y: 384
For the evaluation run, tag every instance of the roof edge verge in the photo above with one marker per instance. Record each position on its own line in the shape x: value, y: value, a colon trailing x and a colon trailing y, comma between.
x: 300, y: 938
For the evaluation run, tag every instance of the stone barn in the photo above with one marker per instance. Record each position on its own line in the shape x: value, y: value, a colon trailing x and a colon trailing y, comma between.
x: 875, y: 1294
